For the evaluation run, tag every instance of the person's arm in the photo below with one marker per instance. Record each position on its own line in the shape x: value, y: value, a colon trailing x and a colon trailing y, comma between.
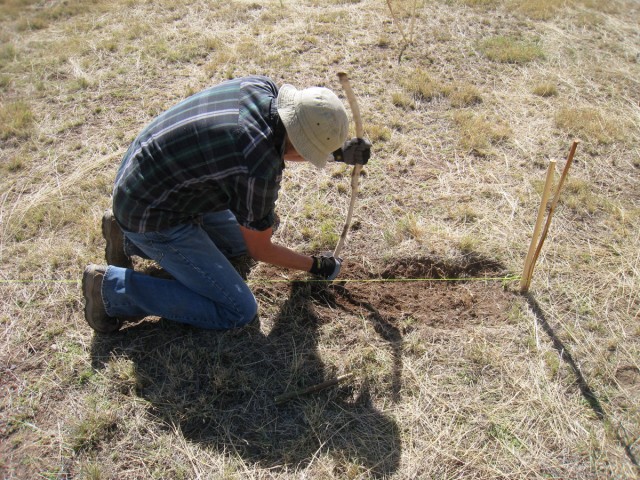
x: 262, y: 249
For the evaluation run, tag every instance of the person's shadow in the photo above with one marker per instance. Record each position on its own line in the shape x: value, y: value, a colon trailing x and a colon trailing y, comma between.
x: 218, y: 389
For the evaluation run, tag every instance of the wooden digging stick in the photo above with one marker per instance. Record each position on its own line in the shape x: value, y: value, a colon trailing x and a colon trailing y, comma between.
x: 355, y: 173
x: 552, y: 208
x: 525, y: 281
x: 285, y: 397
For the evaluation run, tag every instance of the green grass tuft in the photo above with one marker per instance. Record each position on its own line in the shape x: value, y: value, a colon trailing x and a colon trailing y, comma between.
x: 511, y: 50
x: 16, y: 120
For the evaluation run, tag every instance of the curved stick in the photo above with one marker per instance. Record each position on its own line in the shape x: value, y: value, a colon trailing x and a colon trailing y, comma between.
x: 353, y: 103
x: 355, y: 173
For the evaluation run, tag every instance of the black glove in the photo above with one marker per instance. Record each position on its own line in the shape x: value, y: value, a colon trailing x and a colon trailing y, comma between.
x: 354, y: 150
x: 325, y: 266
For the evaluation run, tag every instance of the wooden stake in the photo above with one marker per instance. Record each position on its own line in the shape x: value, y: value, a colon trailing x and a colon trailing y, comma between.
x: 525, y: 281
x: 285, y: 397
x: 552, y: 208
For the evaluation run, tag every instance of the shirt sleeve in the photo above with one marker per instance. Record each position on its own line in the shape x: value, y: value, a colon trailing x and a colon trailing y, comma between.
x: 255, y: 200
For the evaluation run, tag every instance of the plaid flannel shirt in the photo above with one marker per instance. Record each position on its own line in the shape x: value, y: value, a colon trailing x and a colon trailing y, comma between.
x: 219, y: 149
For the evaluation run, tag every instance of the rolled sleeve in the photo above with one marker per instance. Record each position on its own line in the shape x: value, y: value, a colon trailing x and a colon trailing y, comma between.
x: 255, y: 201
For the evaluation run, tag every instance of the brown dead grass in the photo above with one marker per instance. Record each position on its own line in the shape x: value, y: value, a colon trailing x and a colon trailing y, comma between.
x: 453, y: 379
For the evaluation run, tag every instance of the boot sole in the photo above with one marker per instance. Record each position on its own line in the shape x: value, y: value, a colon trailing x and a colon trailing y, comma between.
x: 121, y: 261
x: 87, y: 278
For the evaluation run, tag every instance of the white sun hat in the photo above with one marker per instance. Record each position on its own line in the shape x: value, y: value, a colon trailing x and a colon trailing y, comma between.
x: 315, y: 119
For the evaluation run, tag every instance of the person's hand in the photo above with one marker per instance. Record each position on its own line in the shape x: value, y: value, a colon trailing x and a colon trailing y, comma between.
x: 326, y: 266
x: 354, y: 150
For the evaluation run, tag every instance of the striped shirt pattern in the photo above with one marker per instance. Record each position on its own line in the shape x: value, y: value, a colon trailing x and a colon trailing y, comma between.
x: 219, y: 149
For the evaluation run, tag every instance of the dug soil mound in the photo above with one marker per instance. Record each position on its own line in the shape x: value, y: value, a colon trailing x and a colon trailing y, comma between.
x: 427, y: 291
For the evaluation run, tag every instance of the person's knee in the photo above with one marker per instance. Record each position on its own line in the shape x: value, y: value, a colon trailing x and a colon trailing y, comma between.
x: 248, y: 313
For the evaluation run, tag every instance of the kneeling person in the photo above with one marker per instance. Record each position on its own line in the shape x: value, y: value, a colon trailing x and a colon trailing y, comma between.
x: 198, y: 186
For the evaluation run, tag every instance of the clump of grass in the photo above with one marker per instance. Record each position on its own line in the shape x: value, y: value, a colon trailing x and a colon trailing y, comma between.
x: 504, y: 435
x: 464, y: 214
x: 538, y: 9
x: 402, y: 100
x: 383, y: 42
x: 480, y: 3
x: 511, y: 50
x: 5, y: 81
x: 220, y: 61
x: 590, y: 124
x: 327, y: 236
x: 96, y: 427
x: 545, y: 89
x: 92, y: 471
x: 7, y: 54
x: 213, y: 43
x: 15, y: 164
x: 408, y: 227
x: 25, y: 24
x: 467, y: 244
x: 425, y: 87
x: 579, y: 196
x: 422, y: 85
x: 16, y: 120
x: 324, y: 234
x: 378, y: 133
x: 412, y: 227
x: 478, y: 134
x: 124, y: 376
x: 463, y: 95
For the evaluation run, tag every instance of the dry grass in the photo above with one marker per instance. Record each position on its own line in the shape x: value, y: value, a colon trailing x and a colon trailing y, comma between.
x: 16, y: 120
x: 479, y: 135
x: 510, y: 50
x: 545, y: 89
x: 465, y: 102
x: 423, y: 86
x: 591, y: 124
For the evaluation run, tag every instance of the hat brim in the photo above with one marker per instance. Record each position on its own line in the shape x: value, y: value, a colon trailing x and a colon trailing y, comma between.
x: 286, y: 105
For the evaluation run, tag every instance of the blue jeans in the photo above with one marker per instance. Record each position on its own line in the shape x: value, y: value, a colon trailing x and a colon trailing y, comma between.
x: 206, y: 291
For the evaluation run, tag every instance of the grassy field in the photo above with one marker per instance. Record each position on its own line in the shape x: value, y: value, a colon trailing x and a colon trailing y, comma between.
x: 465, y: 102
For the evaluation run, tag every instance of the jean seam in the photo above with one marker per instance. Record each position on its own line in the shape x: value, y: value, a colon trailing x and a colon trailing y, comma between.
x: 237, y: 309
x: 108, y: 305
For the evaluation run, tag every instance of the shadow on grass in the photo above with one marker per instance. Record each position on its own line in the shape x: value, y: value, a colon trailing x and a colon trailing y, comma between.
x: 587, y: 393
x: 387, y: 332
x: 218, y: 389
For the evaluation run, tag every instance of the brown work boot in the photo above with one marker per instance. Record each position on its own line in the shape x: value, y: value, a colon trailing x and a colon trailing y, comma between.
x: 94, y: 312
x: 112, y: 233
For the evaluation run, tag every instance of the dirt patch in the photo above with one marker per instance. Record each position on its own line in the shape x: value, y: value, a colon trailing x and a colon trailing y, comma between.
x: 425, y: 291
